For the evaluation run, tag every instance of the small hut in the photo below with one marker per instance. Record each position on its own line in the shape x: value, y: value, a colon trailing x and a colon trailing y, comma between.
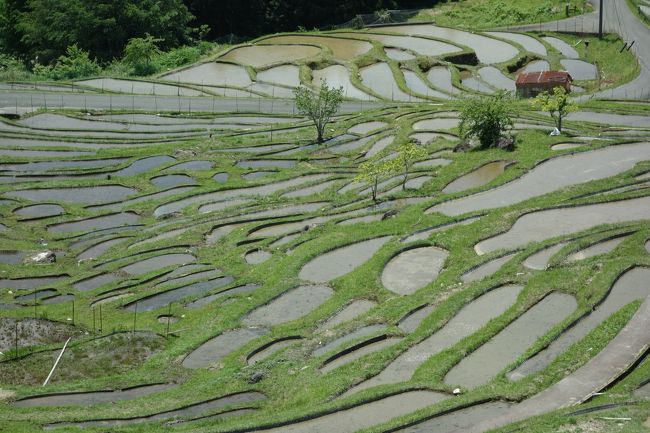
x: 530, y: 84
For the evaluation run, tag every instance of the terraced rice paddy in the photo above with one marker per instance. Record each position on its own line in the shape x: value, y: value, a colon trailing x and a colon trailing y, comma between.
x: 226, y: 273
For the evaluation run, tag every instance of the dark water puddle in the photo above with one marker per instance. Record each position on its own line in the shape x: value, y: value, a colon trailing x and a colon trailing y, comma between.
x: 190, y: 166
x: 479, y: 177
x: 158, y: 262
x: 39, y: 211
x: 172, y: 181
x: 99, y: 249
x: 30, y: 282
x: 165, y: 298
x: 83, y: 195
x: 247, y: 288
x: 144, y: 165
x: 95, y: 282
x: 96, y: 223
x: 12, y: 257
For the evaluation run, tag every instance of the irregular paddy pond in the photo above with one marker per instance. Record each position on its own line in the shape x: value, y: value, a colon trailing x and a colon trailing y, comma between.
x: 221, y: 346
x: 631, y: 286
x: 479, y: 177
x: 340, y: 261
x: 553, y: 175
x: 82, y: 195
x: 96, y: 223
x: 459, y: 420
x: 486, y: 269
x: 484, y: 363
x: 163, y: 299
x: 289, y: 306
x: 191, y: 411
x: 39, y: 211
x: 158, y: 262
x: 365, y: 415
x: 267, y: 54
x: 541, y: 225
x: 468, y: 320
x: 597, y: 249
x: 413, y: 269
x: 93, y: 397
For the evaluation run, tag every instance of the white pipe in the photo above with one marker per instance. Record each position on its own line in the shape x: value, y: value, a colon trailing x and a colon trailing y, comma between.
x: 56, y: 362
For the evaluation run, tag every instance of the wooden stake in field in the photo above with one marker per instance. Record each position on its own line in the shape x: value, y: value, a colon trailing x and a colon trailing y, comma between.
x: 49, y: 376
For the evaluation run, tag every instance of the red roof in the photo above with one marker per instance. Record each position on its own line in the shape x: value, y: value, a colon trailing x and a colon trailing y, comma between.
x: 544, y: 77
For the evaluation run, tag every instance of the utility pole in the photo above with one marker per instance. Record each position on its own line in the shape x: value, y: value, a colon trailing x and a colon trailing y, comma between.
x: 600, y: 20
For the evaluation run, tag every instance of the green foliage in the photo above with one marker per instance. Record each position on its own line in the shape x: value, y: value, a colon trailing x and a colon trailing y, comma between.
x: 45, y: 28
x: 494, y: 13
x: 556, y: 104
x: 76, y: 63
x: 374, y: 170
x: 407, y: 153
x: 139, y: 53
x: 486, y: 118
x: 12, y: 69
x: 319, y: 108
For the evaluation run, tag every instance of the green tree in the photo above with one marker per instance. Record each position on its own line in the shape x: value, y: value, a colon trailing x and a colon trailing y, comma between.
x: 372, y: 171
x: 486, y: 118
x: 407, y: 153
x: 140, y: 52
x: 557, y: 104
x: 46, y: 28
x: 75, y: 63
x: 319, y: 107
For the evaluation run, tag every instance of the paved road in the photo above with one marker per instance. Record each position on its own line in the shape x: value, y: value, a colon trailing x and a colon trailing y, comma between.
x: 619, y: 355
x: 12, y: 102
x: 618, y: 18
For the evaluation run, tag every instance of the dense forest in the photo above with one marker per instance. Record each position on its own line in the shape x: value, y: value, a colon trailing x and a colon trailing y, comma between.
x: 40, y: 31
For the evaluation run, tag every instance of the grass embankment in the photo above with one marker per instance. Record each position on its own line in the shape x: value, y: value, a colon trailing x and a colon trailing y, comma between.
x: 290, y: 378
x: 485, y: 14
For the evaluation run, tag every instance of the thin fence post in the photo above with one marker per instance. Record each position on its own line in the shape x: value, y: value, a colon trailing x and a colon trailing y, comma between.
x: 93, y: 320
x: 16, y: 339
x: 135, y: 316
x: 169, y: 317
x: 101, y: 320
x: 73, y: 312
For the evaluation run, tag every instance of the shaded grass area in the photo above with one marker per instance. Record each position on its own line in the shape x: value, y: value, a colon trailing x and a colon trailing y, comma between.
x: 484, y: 14
x: 290, y: 378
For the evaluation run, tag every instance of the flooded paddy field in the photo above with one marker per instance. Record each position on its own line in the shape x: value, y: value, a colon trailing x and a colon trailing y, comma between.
x: 228, y: 273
